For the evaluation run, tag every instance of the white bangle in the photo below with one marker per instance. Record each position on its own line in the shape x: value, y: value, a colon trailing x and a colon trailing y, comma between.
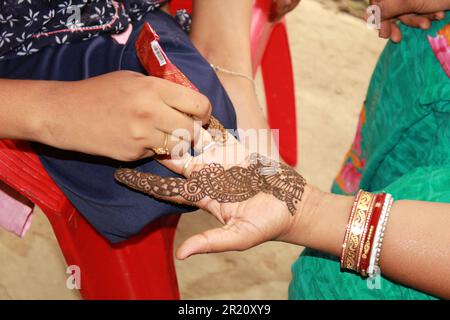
x: 379, y: 234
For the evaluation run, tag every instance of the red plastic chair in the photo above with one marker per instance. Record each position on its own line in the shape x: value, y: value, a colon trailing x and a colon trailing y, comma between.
x: 143, y: 267
x: 270, y: 50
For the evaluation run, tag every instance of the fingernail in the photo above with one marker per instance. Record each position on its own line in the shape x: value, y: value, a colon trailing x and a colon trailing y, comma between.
x: 425, y: 25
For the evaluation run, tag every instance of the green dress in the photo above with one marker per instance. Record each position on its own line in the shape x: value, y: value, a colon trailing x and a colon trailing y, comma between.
x: 402, y: 146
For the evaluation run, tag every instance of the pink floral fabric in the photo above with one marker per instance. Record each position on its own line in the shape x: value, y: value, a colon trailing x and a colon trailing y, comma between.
x: 349, y: 177
x: 441, y: 47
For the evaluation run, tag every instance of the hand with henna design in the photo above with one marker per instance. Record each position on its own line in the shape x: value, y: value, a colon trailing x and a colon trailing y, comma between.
x: 233, y: 185
x: 257, y: 200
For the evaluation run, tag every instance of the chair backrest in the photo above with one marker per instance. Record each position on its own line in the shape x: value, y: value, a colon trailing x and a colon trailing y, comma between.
x: 21, y: 169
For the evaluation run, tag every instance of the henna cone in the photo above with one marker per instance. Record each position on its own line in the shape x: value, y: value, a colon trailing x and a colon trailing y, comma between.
x: 156, y: 63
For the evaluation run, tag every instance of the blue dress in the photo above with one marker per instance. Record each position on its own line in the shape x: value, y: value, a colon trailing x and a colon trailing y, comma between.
x: 115, y: 211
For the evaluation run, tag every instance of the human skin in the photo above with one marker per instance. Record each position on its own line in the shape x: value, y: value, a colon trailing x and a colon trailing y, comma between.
x: 138, y: 113
x: 221, y: 32
x: 414, y: 13
x: 142, y: 109
x: 49, y: 112
x: 282, y: 7
x: 415, y: 247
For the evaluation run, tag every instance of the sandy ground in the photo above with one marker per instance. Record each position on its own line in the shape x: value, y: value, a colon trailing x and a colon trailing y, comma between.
x: 334, y: 55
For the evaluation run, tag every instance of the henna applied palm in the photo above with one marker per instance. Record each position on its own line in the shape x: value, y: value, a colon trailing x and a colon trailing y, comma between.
x: 256, y: 200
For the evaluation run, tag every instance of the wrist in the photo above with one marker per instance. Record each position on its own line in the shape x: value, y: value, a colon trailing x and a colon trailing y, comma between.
x: 38, y: 97
x: 301, y: 227
x: 50, y: 112
x: 236, y: 60
x: 321, y: 221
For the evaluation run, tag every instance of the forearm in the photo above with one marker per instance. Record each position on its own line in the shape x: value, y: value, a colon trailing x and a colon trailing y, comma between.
x: 21, y: 103
x: 221, y: 32
x: 415, y: 252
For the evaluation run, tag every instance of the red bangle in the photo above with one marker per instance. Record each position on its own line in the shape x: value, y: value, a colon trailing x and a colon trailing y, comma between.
x: 365, y: 231
x: 370, y: 234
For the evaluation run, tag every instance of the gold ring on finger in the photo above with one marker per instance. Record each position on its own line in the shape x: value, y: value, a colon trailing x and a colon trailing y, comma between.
x: 163, y: 151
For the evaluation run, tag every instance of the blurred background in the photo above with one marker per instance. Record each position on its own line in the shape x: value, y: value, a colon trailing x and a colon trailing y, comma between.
x: 356, y: 8
x: 334, y: 54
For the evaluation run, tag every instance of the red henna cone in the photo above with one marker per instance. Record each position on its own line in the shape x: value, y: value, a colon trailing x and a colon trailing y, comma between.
x: 154, y: 59
x: 156, y: 63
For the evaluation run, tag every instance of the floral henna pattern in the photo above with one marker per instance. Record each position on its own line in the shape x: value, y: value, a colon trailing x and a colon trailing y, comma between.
x: 232, y: 185
x: 217, y: 130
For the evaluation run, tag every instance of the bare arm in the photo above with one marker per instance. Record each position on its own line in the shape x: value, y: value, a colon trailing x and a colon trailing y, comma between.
x: 416, y: 246
x: 221, y: 32
x: 20, y: 102
x: 121, y: 115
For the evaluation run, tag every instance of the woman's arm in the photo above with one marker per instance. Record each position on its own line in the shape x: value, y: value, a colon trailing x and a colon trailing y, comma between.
x: 416, y: 246
x: 221, y: 32
x: 18, y: 119
x: 120, y: 115
x: 273, y: 202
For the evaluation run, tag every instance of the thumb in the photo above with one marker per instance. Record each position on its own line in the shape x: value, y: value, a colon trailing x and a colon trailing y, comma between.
x: 231, y: 237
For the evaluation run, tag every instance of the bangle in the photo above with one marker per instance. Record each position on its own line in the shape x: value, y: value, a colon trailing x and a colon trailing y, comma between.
x: 371, y: 229
x: 361, y: 249
x: 233, y: 73
x: 379, y: 235
x: 365, y: 232
x: 347, y: 230
x: 361, y: 212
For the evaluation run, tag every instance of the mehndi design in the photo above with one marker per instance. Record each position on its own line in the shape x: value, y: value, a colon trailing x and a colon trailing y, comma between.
x: 232, y: 185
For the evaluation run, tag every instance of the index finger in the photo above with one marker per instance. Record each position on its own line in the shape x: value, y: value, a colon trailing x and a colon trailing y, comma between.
x: 185, y: 100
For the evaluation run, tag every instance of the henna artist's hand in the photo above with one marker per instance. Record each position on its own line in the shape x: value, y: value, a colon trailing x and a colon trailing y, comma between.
x: 256, y: 199
x: 120, y: 115
x: 282, y: 7
x: 413, y: 13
